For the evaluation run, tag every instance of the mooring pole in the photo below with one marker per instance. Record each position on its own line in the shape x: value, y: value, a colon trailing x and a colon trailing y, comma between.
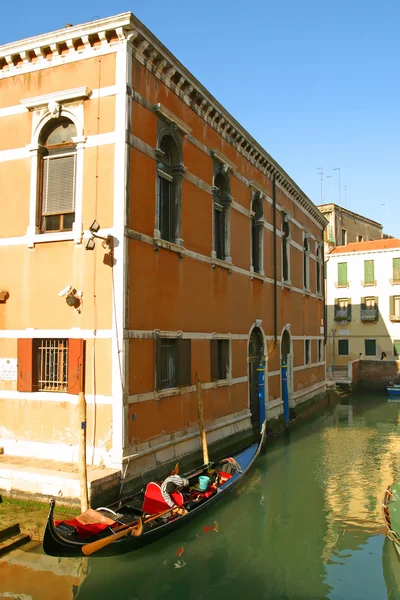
x: 82, y: 453
x: 199, y: 393
x: 285, y: 392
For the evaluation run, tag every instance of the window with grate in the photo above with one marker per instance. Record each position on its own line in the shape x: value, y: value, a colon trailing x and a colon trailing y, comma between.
x: 173, y: 362
x: 219, y: 359
x: 360, y: 238
x: 370, y: 347
x: 318, y: 266
x: 369, y: 272
x: 343, y: 347
x: 56, y: 206
x: 396, y: 348
x: 396, y: 270
x: 342, y: 274
x: 52, y: 365
x: 307, y: 358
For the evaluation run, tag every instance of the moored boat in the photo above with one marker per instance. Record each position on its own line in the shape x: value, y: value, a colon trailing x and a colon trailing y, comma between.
x: 391, y: 513
x: 127, y: 525
x: 393, y: 390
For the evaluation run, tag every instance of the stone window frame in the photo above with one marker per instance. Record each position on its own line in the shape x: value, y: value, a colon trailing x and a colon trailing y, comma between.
x: 307, y: 355
x: 286, y: 239
x: 348, y: 346
x: 319, y: 274
x: 257, y: 222
x: 365, y: 347
x: 170, y: 126
x: 222, y: 168
x: 70, y: 105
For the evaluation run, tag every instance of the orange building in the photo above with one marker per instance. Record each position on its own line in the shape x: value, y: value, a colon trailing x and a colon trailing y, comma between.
x: 210, y: 258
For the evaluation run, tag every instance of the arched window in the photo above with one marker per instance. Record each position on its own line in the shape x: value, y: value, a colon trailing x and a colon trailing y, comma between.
x: 306, y: 274
x: 57, y: 176
x: 168, y: 203
x: 221, y: 215
x: 257, y: 228
x: 285, y: 247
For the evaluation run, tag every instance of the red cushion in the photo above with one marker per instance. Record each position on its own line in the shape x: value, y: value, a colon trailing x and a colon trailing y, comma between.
x: 154, y: 503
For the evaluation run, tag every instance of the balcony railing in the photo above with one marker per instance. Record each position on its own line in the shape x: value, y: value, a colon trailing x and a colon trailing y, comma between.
x: 395, y: 318
x: 342, y: 315
x: 368, y: 283
x: 369, y: 314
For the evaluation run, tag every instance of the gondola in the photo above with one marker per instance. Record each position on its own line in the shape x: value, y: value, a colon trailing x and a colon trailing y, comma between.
x: 391, y: 514
x: 133, y: 528
x: 393, y: 391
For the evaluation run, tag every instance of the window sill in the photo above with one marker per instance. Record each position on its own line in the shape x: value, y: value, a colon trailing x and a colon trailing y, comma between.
x: 217, y: 262
x: 259, y: 276
x: 286, y: 284
x: 172, y: 246
x: 221, y: 383
x: 60, y: 236
x: 167, y: 392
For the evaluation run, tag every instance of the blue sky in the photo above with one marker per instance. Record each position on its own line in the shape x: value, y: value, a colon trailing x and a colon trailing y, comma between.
x: 316, y: 83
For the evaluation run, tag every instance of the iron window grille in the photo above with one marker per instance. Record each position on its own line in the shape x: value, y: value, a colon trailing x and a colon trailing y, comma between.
x: 169, y: 363
x: 52, y: 365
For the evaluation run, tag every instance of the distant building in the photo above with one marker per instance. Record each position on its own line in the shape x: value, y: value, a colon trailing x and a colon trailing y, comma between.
x: 363, y: 301
x: 346, y: 227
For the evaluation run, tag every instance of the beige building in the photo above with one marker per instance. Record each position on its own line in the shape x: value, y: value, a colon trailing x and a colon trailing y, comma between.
x: 363, y: 301
x: 346, y: 227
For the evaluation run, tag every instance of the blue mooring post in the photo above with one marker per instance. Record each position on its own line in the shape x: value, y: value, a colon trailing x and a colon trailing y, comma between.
x: 285, y: 392
x: 261, y: 391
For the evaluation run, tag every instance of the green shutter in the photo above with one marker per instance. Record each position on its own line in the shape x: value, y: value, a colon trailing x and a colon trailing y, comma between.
x: 396, y: 348
x: 396, y: 269
x: 342, y: 274
x: 369, y: 272
x: 370, y: 347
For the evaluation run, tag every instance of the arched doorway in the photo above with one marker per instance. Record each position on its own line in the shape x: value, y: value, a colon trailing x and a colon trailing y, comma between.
x: 287, y: 356
x: 255, y: 358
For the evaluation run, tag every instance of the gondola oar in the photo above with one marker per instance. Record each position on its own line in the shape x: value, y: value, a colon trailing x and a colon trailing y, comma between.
x: 199, y: 393
x: 135, y: 530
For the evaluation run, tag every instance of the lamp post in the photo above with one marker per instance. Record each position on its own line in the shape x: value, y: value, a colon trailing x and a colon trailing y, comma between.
x: 340, y: 187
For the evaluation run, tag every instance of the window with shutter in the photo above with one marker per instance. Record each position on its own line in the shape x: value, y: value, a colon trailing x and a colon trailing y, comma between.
x: 307, y: 352
x: 370, y: 347
x: 343, y: 347
x: 342, y: 274
x: 173, y: 362
x: 369, y: 272
x: 57, y: 176
x: 257, y: 227
x: 396, y: 270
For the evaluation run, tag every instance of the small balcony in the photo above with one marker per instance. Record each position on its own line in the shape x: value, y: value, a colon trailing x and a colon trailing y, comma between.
x: 395, y: 318
x: 342, y: 315
x: 342, y: 284
x: 369, y: 315
x: 394, y: 281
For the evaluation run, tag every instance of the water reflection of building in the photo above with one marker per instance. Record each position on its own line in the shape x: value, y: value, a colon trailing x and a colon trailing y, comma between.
x: 360, y: 457
x: 31, y: 574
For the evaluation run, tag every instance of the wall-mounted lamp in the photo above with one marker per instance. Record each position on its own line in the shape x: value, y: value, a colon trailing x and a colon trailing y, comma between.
x: 91, y: 244
x: 72, y: 297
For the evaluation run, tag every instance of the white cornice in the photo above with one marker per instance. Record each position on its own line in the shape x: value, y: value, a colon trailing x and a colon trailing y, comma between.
x: 60, y: 97
x: 224, y: 159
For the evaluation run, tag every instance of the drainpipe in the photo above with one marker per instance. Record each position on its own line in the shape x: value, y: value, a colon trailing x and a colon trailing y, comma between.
x: 275, y: 286
x: 324, y: 287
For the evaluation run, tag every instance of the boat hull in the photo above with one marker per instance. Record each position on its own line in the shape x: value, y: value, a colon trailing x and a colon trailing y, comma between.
x: 54, y: 544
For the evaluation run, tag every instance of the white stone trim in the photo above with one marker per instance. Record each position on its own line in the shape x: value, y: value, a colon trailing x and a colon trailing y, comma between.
x: 223, y: 159
x: 54, y: 397
x: 157, y: 395
x: 171, y: 118
x: 61, y: 236
x: 75, y: 333
x: 80, y: 93
x: 310, y: 366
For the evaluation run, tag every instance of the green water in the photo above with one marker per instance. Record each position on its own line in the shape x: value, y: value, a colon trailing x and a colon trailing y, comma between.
x: 305, y: 524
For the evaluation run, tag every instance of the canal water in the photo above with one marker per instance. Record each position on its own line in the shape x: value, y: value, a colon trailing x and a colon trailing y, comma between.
x: 305, y: 524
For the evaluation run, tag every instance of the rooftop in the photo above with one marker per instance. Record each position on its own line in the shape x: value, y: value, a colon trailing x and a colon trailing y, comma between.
x: 324, y: 208
x: 385, y: 244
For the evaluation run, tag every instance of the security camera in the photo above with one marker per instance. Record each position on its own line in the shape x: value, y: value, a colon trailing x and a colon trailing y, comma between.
x: 65, y: 291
